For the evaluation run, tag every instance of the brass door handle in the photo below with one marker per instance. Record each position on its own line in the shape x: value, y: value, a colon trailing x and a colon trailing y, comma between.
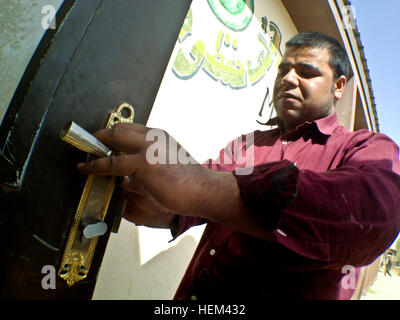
x: 88, y: 222
x: 83, y: 140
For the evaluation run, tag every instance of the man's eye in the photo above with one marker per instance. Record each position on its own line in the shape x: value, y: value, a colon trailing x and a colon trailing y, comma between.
x: 282, y: 72
x: 306, y: 73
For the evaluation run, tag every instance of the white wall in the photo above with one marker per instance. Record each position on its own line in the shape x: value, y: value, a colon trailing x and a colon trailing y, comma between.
x: 203, y: 114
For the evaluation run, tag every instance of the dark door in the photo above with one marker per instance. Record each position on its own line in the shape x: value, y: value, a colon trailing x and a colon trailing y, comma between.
x: 103, y: 53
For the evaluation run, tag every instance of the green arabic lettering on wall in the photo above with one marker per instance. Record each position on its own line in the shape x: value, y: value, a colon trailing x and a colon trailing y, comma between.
x: 220, y: 68
x: 229, y: 72
x: 186, y: 29
x: 234, y: 14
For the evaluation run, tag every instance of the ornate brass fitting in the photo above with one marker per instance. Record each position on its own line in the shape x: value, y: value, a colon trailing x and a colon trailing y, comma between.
x: 94, y: 202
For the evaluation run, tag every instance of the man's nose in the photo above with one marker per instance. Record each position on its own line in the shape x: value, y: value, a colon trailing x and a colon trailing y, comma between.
x: 290, y: 78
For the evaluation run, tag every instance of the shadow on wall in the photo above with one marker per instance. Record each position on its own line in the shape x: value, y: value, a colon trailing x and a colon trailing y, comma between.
x: 123, y: 277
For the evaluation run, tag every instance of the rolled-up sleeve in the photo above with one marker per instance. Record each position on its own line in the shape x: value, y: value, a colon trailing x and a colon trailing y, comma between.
x: 269, y: 190
x: 182, y: 223
x: 347, y: 215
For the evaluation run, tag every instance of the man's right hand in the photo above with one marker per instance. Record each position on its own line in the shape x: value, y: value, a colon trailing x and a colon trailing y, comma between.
x: 142, y: 208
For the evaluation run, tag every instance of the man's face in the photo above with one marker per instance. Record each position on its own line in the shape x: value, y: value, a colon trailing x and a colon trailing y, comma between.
x: 304, y: 87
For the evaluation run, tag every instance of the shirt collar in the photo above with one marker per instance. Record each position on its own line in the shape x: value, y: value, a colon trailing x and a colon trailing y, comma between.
x: 325, y: 125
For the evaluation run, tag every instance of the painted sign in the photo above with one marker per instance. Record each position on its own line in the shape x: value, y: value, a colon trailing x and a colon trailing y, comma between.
x: 221, y: 61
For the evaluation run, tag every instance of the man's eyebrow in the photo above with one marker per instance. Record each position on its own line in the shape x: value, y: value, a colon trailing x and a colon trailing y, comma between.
x: 285, y: 64
x: 308, y: 66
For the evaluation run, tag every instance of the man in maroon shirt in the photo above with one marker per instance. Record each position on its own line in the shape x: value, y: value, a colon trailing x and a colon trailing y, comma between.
x: 316, y: 200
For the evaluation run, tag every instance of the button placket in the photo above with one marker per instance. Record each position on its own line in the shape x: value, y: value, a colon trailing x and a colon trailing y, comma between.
x: 284, y: 146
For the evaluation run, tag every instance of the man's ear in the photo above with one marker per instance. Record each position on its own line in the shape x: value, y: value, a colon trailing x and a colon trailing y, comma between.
x: 340, y: 85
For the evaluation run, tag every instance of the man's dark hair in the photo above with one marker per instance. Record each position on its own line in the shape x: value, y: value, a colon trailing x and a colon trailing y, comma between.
x: 339, y: 62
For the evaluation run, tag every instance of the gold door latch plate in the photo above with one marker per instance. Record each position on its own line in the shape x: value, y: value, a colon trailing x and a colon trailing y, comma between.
x: 88, y: 223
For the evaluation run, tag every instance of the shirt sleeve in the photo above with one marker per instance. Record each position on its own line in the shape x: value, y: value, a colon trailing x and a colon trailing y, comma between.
x: 348, y: 215
x: 182, y: 223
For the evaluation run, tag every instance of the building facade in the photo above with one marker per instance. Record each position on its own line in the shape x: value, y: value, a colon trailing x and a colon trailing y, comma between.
x: 217, y: 85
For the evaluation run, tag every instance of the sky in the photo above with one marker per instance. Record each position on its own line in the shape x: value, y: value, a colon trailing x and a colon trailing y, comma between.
x: 379, y: 26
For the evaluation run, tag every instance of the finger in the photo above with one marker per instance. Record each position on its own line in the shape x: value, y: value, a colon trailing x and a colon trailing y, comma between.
x: 124, y: 182
x: 137, y: 127
x: 130, y: 185
x: 123, y: 138
x: 120, y: 165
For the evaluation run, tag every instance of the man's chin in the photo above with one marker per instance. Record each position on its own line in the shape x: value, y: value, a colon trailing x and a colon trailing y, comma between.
x: 290, y: 116
x: 290, y: 119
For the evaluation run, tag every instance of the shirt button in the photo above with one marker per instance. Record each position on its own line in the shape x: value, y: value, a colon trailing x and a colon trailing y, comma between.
x: 193, y: 298
x: 212, y: 252
x: 284, y: 141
